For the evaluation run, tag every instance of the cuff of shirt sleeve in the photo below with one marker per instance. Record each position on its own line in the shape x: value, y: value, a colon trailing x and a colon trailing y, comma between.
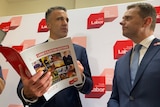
x: 29, y: 102
x: 79, y: 86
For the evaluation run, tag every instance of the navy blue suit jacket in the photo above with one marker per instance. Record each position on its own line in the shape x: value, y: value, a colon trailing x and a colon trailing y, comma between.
x: 1, y: 76
x: 68, y: 97
x: 145, y: 91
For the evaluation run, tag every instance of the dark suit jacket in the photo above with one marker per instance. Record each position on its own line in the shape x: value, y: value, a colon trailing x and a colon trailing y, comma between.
x: 1, y: 75
x: 68, y: 97
x: 145, y: 91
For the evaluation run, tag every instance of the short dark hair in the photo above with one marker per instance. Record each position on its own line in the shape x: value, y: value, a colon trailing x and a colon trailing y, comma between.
x: 48, y: 12
x: 146, y: 10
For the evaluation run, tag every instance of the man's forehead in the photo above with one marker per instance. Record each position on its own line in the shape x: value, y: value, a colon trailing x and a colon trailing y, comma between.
x: 59, y: 13
x: 131, y: 12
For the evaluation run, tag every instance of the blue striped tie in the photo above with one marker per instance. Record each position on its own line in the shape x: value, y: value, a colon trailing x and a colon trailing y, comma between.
x: 135, y: 62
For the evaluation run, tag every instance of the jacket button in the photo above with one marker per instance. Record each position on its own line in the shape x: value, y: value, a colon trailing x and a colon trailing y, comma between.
x: 131, y: 98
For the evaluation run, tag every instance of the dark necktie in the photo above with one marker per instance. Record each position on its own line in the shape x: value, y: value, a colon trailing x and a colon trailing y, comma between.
x: 135, y: 62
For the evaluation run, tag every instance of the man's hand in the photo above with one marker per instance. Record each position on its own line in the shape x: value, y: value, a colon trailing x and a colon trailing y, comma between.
x: 37, y: 85
x: 81, y: 68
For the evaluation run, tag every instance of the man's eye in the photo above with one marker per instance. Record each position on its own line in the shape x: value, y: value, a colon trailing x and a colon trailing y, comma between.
x: 127, y: 18
x: 60, y: 18
x: 63, y: 19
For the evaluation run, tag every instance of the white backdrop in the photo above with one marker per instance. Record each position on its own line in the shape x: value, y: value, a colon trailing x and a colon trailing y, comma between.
x: 99, y: 44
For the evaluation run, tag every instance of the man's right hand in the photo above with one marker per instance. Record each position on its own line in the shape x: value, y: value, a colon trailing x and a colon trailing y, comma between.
x: 37, y: 85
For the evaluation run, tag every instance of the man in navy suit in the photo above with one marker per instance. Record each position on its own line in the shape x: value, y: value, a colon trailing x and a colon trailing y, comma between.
x: 2, y: 83
x: 138, y: 24
x: 31, y: 91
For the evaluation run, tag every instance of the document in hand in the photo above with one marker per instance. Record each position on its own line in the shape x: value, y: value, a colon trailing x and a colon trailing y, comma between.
x: 57, y: 57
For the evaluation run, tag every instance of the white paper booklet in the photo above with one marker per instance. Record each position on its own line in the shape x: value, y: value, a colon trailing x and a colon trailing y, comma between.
x: 57, y: 57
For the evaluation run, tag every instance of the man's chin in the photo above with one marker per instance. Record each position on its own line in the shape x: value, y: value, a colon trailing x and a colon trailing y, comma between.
x: 63, y: 36
x: 125, y: 35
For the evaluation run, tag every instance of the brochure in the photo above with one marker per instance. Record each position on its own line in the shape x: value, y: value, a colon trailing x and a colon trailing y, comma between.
x: 57, y: 57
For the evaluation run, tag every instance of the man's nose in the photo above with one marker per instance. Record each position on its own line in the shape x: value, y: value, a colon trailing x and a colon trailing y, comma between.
x: 65, y: 22
x: 121, y: 23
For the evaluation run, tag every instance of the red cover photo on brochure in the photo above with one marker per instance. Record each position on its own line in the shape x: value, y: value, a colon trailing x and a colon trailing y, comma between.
x: 13, y: 57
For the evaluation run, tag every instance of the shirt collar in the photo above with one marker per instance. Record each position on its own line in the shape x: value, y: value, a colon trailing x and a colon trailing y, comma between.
x: 50, y: 39
x: 147, y: 41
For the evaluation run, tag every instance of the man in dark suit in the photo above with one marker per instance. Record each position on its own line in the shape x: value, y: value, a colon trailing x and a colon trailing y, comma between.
x: 31, y: 91
x: 2, y: 83
x: 138, y: 24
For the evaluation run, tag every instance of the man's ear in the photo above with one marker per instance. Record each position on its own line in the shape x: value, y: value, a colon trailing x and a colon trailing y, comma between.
x: 147, y: 21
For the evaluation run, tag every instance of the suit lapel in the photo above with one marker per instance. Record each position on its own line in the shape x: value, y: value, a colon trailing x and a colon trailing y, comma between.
x: 152, y: 50
x: 126, y: 67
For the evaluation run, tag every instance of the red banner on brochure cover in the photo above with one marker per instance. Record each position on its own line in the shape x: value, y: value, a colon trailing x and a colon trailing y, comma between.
x: 51, y: 57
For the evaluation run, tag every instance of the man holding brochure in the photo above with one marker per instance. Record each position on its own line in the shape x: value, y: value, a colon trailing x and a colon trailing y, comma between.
x: 31, y: 90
